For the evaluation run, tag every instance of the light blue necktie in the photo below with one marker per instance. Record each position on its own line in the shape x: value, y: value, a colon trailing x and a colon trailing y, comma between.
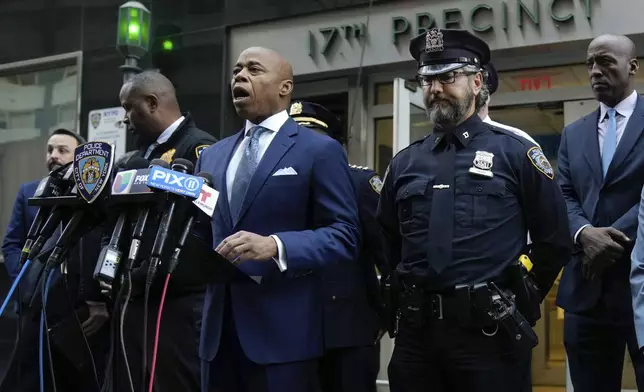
x: 610, y: 141
x: 245, y: 171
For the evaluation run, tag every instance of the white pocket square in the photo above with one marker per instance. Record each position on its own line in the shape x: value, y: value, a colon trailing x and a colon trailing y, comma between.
x: 286, y: 171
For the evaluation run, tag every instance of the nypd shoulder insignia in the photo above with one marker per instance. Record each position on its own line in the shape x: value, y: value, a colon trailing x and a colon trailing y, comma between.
x: 376, y: 183
x: 199, y: 149
x: 539, y: 160
x: 168, y: 155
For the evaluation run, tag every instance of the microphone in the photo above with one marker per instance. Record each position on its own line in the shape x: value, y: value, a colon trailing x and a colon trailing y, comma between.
x: 92, y: 171
x: 187, y: 229
x: 56, y: 184
x: 144, y: 212
x: 110, y: 256
x: 168, y: 180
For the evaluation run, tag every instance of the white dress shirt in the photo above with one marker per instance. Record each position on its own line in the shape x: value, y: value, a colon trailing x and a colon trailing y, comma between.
x: 623, y: 110
x: 514, y: 130
x: 273, y: 123
x: 164, y: 136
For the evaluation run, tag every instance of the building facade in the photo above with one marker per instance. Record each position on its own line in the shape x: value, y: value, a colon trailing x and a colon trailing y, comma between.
x: 58, y: 62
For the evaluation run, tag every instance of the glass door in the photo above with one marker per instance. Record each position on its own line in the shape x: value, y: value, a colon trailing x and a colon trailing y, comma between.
x: 410, y: 121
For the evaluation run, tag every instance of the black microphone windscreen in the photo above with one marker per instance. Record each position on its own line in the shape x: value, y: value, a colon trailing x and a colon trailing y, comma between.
x: 184, y: 162
x: 160, y: 162
x: 136, y: 162
x: 207, y: 177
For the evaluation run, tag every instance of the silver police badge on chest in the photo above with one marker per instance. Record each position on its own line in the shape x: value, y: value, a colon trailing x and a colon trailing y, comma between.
x: 483, y: 162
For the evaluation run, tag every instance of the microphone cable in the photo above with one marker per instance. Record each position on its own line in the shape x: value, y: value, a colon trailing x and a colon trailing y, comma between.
x: 80, y: 324
x: 44, y: 333
x: 157, y: 332
x: 121, y: 329
x: 172, y: 265
x: 14, y: 286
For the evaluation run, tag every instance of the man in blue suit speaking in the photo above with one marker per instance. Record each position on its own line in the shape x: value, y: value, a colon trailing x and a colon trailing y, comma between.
x: 286, y: 209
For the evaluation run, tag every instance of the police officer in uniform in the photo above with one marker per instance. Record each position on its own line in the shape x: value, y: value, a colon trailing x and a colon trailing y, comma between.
x: 352, y: 303
x: 162, y: 131
x: 455, y: 208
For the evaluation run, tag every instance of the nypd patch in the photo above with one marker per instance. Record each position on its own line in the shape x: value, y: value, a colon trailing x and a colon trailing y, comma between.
x: 376, y: 183
x: 199, y: 149
x: 540, y: 161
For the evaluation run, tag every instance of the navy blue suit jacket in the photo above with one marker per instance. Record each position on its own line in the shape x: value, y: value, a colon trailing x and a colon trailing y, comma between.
x: 19, y: 224
x: 314, y: 214
x: 601, y: 202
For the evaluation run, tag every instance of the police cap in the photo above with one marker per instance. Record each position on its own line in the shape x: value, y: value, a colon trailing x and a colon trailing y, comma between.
x: 442, y: 50
x: 492, y: 78
x: 312, y: 115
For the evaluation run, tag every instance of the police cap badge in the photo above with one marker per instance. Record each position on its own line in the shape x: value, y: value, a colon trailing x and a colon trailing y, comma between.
x: 93, y: 164
x: 442, y: 50
x: 313, y: 115
x: 539, y: 160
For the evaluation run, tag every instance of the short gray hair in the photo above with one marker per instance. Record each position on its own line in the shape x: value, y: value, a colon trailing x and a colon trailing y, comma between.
x: 483, y: 95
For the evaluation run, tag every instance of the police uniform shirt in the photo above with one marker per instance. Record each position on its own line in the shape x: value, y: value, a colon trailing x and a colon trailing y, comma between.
x: 509, y: 190
x: 164, y: 136
x: 185, y: 141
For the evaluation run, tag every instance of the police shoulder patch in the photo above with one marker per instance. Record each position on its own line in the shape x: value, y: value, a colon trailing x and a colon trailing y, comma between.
x: 199, y: 149
x: 376, y: 183
x: 539, y: 160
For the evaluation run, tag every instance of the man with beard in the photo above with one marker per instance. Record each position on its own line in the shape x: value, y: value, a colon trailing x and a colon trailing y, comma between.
x: 76, y: 292
x: 162, y: 131
x: 455, y: 209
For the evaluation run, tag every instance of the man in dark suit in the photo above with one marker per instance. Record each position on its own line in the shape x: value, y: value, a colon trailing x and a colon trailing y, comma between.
x: 77, y: 292
x: 162, y: 131
x: 601, y: 162
x: 351, y: 296
x: 286, y: 210
x: 60, y: 151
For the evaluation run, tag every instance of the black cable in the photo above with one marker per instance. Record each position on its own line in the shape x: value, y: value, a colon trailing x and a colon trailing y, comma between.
x: 122, y: 323
x: 113, y: 329
x: 80, y: 326
x: 43, y: 295
x: 146, y: 299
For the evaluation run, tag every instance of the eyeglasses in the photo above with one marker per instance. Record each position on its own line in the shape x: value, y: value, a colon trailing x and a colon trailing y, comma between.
x: 444, y: 78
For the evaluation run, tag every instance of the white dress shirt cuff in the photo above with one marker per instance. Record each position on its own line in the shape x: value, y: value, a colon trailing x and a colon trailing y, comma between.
x: 281, y: 254
x: 577, y: 233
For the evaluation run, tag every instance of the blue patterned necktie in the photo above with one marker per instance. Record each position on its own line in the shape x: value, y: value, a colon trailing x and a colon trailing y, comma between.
x: 610, y: 141
x: 245, y: 170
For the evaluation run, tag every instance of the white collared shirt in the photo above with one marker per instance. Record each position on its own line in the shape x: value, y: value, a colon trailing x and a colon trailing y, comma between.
x: 273, y: 123
x: 514, y: 130
x: 164, y: 136
x: 624, y: 111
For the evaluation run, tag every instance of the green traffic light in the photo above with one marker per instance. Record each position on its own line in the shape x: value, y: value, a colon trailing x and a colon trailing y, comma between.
x: 167, y: 45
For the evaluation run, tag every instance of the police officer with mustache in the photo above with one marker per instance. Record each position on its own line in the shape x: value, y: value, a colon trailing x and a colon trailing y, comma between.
x: 456, y: 207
